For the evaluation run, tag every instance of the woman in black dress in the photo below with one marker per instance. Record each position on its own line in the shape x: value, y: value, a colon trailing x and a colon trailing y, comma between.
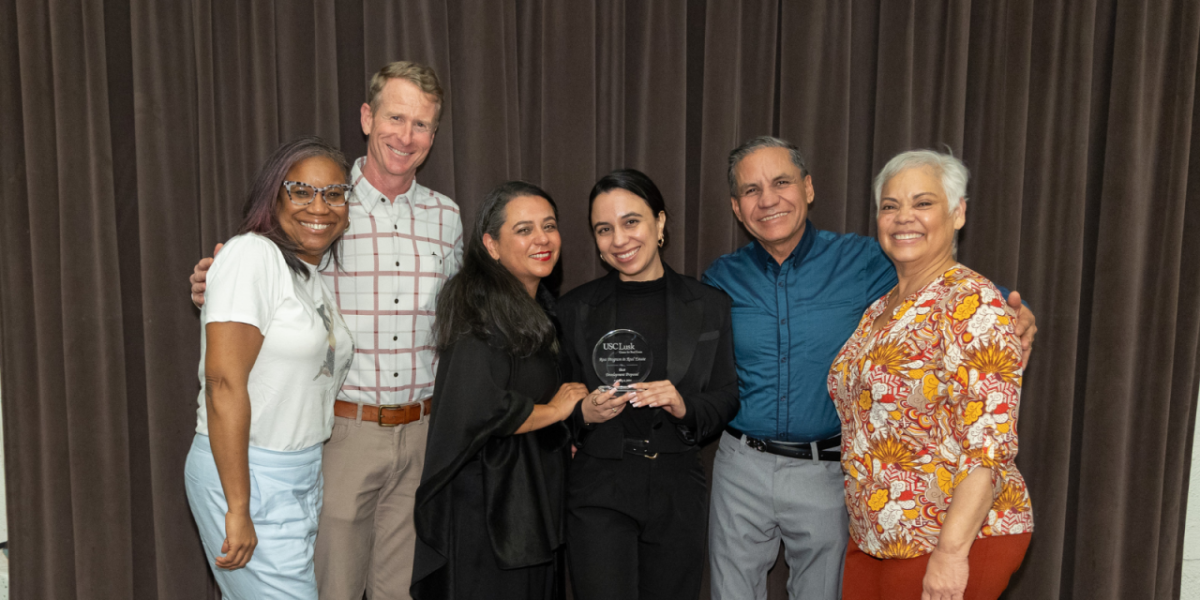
x: 489, y: 509
x: 637, y: 503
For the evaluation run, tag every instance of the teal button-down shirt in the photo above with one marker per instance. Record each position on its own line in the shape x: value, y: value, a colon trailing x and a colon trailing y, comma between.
x: 789, y: 322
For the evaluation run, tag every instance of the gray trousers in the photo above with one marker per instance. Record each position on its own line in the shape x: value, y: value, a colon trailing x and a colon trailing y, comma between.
x: 760, y: 499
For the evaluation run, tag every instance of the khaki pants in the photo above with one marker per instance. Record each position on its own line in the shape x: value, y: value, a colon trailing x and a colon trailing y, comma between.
x: 366, y: 537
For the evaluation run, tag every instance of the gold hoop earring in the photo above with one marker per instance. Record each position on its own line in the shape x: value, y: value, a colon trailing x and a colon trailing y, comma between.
x: 660, y: 242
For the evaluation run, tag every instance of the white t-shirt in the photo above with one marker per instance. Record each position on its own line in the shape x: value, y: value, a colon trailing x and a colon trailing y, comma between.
x: 306, y: 350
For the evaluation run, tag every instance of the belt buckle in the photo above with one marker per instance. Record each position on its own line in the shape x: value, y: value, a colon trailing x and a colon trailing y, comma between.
x: 379, y: 415
x: 756, y: 444
x: 638, y: 447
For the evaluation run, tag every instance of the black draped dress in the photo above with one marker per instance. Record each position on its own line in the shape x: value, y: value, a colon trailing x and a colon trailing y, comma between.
x: 489, y: 509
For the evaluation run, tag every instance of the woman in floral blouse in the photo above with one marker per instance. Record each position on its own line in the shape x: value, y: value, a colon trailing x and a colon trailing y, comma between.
x: 928, y: 389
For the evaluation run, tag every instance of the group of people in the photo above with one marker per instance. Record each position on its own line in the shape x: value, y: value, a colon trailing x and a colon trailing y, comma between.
x: 406, y: 411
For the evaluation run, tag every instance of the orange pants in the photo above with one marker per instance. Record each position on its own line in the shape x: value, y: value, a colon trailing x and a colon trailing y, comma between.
x: 993, y: 560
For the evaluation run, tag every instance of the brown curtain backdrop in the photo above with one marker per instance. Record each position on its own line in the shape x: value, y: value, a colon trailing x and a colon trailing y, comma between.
x: 129, y: 131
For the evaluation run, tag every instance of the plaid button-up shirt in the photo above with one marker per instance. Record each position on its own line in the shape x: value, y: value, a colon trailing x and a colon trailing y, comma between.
x: 396, y: 257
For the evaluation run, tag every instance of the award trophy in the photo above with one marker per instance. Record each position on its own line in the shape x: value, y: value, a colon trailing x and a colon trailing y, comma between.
x: 622, y: 356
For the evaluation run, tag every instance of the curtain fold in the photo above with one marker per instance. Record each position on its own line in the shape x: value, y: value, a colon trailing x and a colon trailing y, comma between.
x: 566, y: 93
x: 737, y: 103
x: 131, y: 131
x: 1128, y: 452
x: 483, y: 65
x: 174, y: 113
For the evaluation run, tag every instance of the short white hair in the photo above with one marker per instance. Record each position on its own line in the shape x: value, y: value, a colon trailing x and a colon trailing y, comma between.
x: 953, y: 172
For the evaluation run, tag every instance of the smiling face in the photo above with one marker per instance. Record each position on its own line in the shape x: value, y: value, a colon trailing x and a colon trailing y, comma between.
x: 316, y: 226
x: 916, y: 225
x: 528, y: 243
x: 773, y: 198
x: 627, y: 234
x: 399, y: 133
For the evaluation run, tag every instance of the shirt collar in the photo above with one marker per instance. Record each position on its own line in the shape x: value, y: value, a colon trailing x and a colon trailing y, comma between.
x: 798, y: 253
x: 366, y: 194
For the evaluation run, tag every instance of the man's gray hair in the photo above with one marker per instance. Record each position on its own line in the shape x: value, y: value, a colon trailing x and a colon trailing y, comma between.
x: 953, y: 172
x: 754, y: 144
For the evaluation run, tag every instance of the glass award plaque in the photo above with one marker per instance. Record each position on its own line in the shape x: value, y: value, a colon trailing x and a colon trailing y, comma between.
x: 622, y: 356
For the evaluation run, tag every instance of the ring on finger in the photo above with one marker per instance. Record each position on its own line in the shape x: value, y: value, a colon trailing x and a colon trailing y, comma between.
x: 594, y: 403
x: 614, y: 409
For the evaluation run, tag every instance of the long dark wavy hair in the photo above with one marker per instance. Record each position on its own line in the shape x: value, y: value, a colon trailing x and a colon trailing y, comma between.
x: 484, y: 299
x: 260, y: 214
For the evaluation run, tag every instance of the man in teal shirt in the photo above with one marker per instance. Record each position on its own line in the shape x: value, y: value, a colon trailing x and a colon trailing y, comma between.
x: 798, y: 293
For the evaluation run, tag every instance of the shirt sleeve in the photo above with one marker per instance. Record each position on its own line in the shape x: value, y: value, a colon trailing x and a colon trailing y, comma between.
x: 708, y: 279
x: 456, y: 254
x: 471, y: 405
x: 245, y: 283
x: 879, y: 274
x: 571, y: 366
x: 983, y: 357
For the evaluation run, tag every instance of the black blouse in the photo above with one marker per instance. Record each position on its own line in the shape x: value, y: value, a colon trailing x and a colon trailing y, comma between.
x: 642, y: 307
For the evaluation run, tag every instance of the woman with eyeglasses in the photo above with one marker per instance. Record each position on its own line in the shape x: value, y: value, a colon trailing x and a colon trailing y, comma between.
x: 275, y: 351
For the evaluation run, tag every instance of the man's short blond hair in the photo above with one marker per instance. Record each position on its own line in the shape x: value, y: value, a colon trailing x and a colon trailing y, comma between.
x: 420, y: 75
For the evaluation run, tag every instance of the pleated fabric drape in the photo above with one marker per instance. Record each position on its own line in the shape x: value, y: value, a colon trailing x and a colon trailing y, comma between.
x: 130, y: 129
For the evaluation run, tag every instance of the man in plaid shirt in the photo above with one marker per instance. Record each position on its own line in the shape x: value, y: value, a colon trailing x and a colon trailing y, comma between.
x: 403, y: 243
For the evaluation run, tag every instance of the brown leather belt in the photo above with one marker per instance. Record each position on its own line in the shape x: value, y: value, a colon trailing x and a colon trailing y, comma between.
x: 387, y: 415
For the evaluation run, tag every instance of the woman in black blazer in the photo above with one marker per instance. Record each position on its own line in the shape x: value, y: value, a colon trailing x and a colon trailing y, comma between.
x: 637, y: 502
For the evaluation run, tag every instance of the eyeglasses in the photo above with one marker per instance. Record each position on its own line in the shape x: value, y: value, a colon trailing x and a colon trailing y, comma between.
x: 302, y: 194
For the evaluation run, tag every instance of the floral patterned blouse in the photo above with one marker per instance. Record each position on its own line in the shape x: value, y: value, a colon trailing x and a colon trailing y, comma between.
x: 924, y: 401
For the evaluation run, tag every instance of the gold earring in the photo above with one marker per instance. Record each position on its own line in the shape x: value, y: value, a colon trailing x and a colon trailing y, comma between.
x: 660, y: 242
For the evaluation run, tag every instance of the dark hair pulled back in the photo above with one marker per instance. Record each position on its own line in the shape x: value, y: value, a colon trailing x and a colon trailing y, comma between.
x: 636, y: 183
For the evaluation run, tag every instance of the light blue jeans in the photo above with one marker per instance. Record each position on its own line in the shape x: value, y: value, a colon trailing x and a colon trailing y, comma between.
x: 285, y: 500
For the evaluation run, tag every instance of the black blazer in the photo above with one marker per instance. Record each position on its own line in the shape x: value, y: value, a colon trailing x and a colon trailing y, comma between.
x: 699, y: 362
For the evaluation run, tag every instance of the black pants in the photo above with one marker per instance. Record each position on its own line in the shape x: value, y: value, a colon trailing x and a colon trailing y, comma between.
x: 636, y: 527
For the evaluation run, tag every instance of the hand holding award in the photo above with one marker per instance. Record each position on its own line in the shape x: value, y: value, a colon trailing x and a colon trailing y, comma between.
x: 622, y: 358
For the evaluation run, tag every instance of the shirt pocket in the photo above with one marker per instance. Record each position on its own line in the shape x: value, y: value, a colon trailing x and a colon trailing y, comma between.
x: 755, y: 338
x: 423, y: 270
x: 828, y: 321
